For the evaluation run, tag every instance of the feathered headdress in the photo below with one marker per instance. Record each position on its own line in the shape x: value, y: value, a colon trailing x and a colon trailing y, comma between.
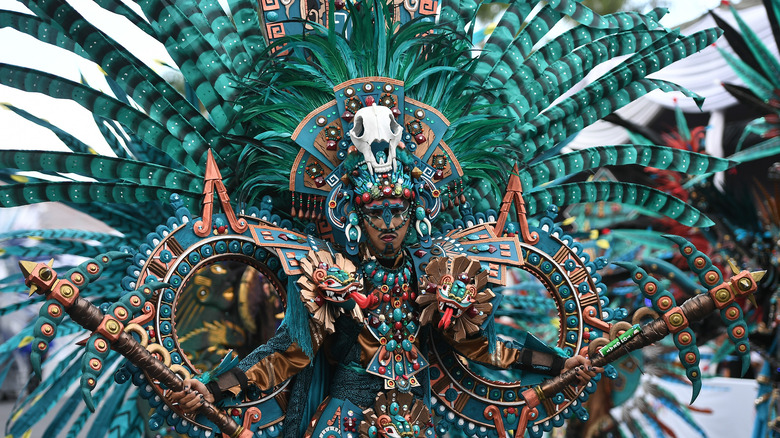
x: 266, y: 92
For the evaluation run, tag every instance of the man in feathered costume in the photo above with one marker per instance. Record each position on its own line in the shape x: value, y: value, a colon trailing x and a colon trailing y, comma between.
x: 380, y: 341
x: 380, y: 121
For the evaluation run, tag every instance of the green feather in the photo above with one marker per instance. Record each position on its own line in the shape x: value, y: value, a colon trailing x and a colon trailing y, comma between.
x: 765, y: 58
x: 37, y: 28
x: 659, y: 157
x: 754, y: 80
x: 100, y: 167
x: 80, y: 192
x: 642, y: 197
x: 101, y: 104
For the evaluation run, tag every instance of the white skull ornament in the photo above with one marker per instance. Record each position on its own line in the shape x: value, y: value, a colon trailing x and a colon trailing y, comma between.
x: 376, y: 128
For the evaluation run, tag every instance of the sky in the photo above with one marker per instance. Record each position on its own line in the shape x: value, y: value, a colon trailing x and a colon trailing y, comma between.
x: 23, y: 50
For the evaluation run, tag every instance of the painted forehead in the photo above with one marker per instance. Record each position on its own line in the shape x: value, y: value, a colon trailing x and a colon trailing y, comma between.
x: 390, y: 203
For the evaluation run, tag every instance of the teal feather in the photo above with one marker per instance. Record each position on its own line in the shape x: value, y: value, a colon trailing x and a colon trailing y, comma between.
x: 227, y: 363
x: 101, y: 167
x: 197, y: 61
x: 73, y: 143
x: 765, y: 58
x: 642, y: 197
x: 572, y: 67
x: 64, y: 415
x: 659, y: 157
x: 125, y: 218
x: 103, y: 238
x: 135, y: 76
x: 757, y: 83
x: 456, y: 13
x: 508, y: 27
x: 42, y: 31
x: 35, y: 81
x: 668, y: 87
x: 296, y: 318
x: 52, y: 248
x: 610, y: 92
x: 766, y: 148
x: 737, y: 42
x: 111, y: 403
x: 44, y: 397
x: 126, y: 423
x: 248, y: 28
x: 80, y: 192
x: 196, y: 13
x: 670, y: 401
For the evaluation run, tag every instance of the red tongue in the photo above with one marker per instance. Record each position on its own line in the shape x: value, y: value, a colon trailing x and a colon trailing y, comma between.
x: 363, y: 301
x: 446, y: 319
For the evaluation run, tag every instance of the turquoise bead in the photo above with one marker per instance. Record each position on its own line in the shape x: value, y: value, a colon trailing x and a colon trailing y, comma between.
x: 398, y: 314
x: 391, y: 346
x: 407, y: 345
x: 420, y: 213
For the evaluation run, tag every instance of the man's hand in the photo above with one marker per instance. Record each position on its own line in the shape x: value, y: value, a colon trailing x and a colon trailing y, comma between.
x: 585, y: 371
x: 192, y: 397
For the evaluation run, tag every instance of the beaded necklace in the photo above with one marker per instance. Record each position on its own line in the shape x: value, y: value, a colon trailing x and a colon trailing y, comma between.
x: 395, y: 324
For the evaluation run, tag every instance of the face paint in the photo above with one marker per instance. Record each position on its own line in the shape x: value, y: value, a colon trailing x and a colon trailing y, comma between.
x: 386, y: 223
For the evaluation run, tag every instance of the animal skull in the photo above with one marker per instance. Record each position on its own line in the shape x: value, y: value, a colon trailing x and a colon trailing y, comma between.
x: 376, y: 129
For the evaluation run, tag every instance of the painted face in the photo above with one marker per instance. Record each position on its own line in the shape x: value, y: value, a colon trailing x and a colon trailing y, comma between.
x: 386, y: 222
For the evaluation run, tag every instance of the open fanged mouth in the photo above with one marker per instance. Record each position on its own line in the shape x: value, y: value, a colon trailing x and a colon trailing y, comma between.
x: 449, y: 311
x: 340, y: 295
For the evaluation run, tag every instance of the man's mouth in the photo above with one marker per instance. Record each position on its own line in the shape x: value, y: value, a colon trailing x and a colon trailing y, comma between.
x: 388, y: 237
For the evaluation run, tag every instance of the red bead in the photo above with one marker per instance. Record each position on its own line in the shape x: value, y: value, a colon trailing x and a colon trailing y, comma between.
x: 331, y: 145
x: 235, y: 412
x: 407, y: 193
x: 386, y: 298
x: 369, y: 100
x: 416, y: 366
x: 318, y: 300
x: 398, y: 325
x: 414, y: 296
x: 340, y: 4
x: 348, y: 116
x: 510, y: 410
x: 396, y: 111
x: 472, y: 311
x: 405, y: 296
x: 366, y: 197
x: 382, y: 370
x: 419, y: 138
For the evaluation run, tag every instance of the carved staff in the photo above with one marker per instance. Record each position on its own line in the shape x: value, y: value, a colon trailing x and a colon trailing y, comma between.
x: 675, y: 320
x: 63, y: 294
